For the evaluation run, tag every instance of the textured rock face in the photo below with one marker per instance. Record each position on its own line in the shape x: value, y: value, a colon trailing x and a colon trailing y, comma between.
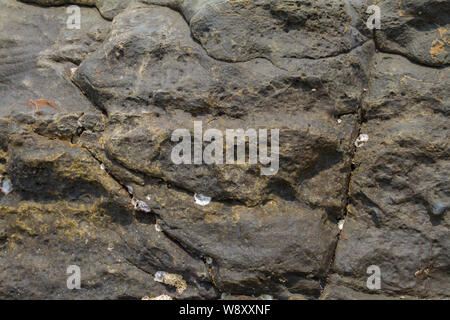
x: 87, y: 178
x: 416, y: 29
x: 397, y: 215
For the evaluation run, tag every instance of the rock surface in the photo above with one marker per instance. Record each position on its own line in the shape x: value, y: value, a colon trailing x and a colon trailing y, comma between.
x: 87, y: 116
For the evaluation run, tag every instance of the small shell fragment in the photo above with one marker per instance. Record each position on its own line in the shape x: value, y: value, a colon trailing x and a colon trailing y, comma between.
x: 130, y: 189
x: 158, y: 227
x: 102, y: 166
x: 361, y: 139
x: 201, y: 199
x: 140, y: 206
x: 72, y: 71
x: 6, y: 187
x: 341, y: 224
x: 159, y: 276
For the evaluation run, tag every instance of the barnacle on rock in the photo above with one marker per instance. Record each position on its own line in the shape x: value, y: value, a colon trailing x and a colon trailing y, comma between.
x: 140, y: 205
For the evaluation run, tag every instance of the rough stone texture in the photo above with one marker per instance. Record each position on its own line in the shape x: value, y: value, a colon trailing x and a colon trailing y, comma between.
x: 85, y: 167
x: 417, y: 29
x: 107, y: 8
x: 397, y: 218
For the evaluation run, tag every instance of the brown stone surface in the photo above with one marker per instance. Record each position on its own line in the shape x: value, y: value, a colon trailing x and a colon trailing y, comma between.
x: 86, y: 118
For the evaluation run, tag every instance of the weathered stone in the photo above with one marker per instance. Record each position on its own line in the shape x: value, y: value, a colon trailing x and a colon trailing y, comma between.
x: 417, y: 29
x: 107, y: 8
x: 87, y: 178
x: 244, y: 30
x: 397, y: 218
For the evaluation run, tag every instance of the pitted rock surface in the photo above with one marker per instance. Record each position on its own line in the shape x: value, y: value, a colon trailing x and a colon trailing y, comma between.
x: 87, y: 115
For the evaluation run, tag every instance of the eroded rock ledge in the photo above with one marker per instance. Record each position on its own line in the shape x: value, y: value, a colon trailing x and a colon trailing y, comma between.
x: 138, y: 70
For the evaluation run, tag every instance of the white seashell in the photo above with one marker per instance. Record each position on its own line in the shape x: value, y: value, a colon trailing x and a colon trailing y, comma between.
x: 201, y: 199
x: 141, y: 206
x: 341, y: 224
x: 159, y: 276
x: 6, y: 187
x: 361, y: 139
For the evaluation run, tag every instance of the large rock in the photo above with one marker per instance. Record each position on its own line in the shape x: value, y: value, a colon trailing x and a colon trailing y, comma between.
x: 243, y: 30
x: 160, y: 80
x: 87, y: 176
x: 417, y: 29
x: 399, y: 202
x: 65, y: 208
x: 107, y: 8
